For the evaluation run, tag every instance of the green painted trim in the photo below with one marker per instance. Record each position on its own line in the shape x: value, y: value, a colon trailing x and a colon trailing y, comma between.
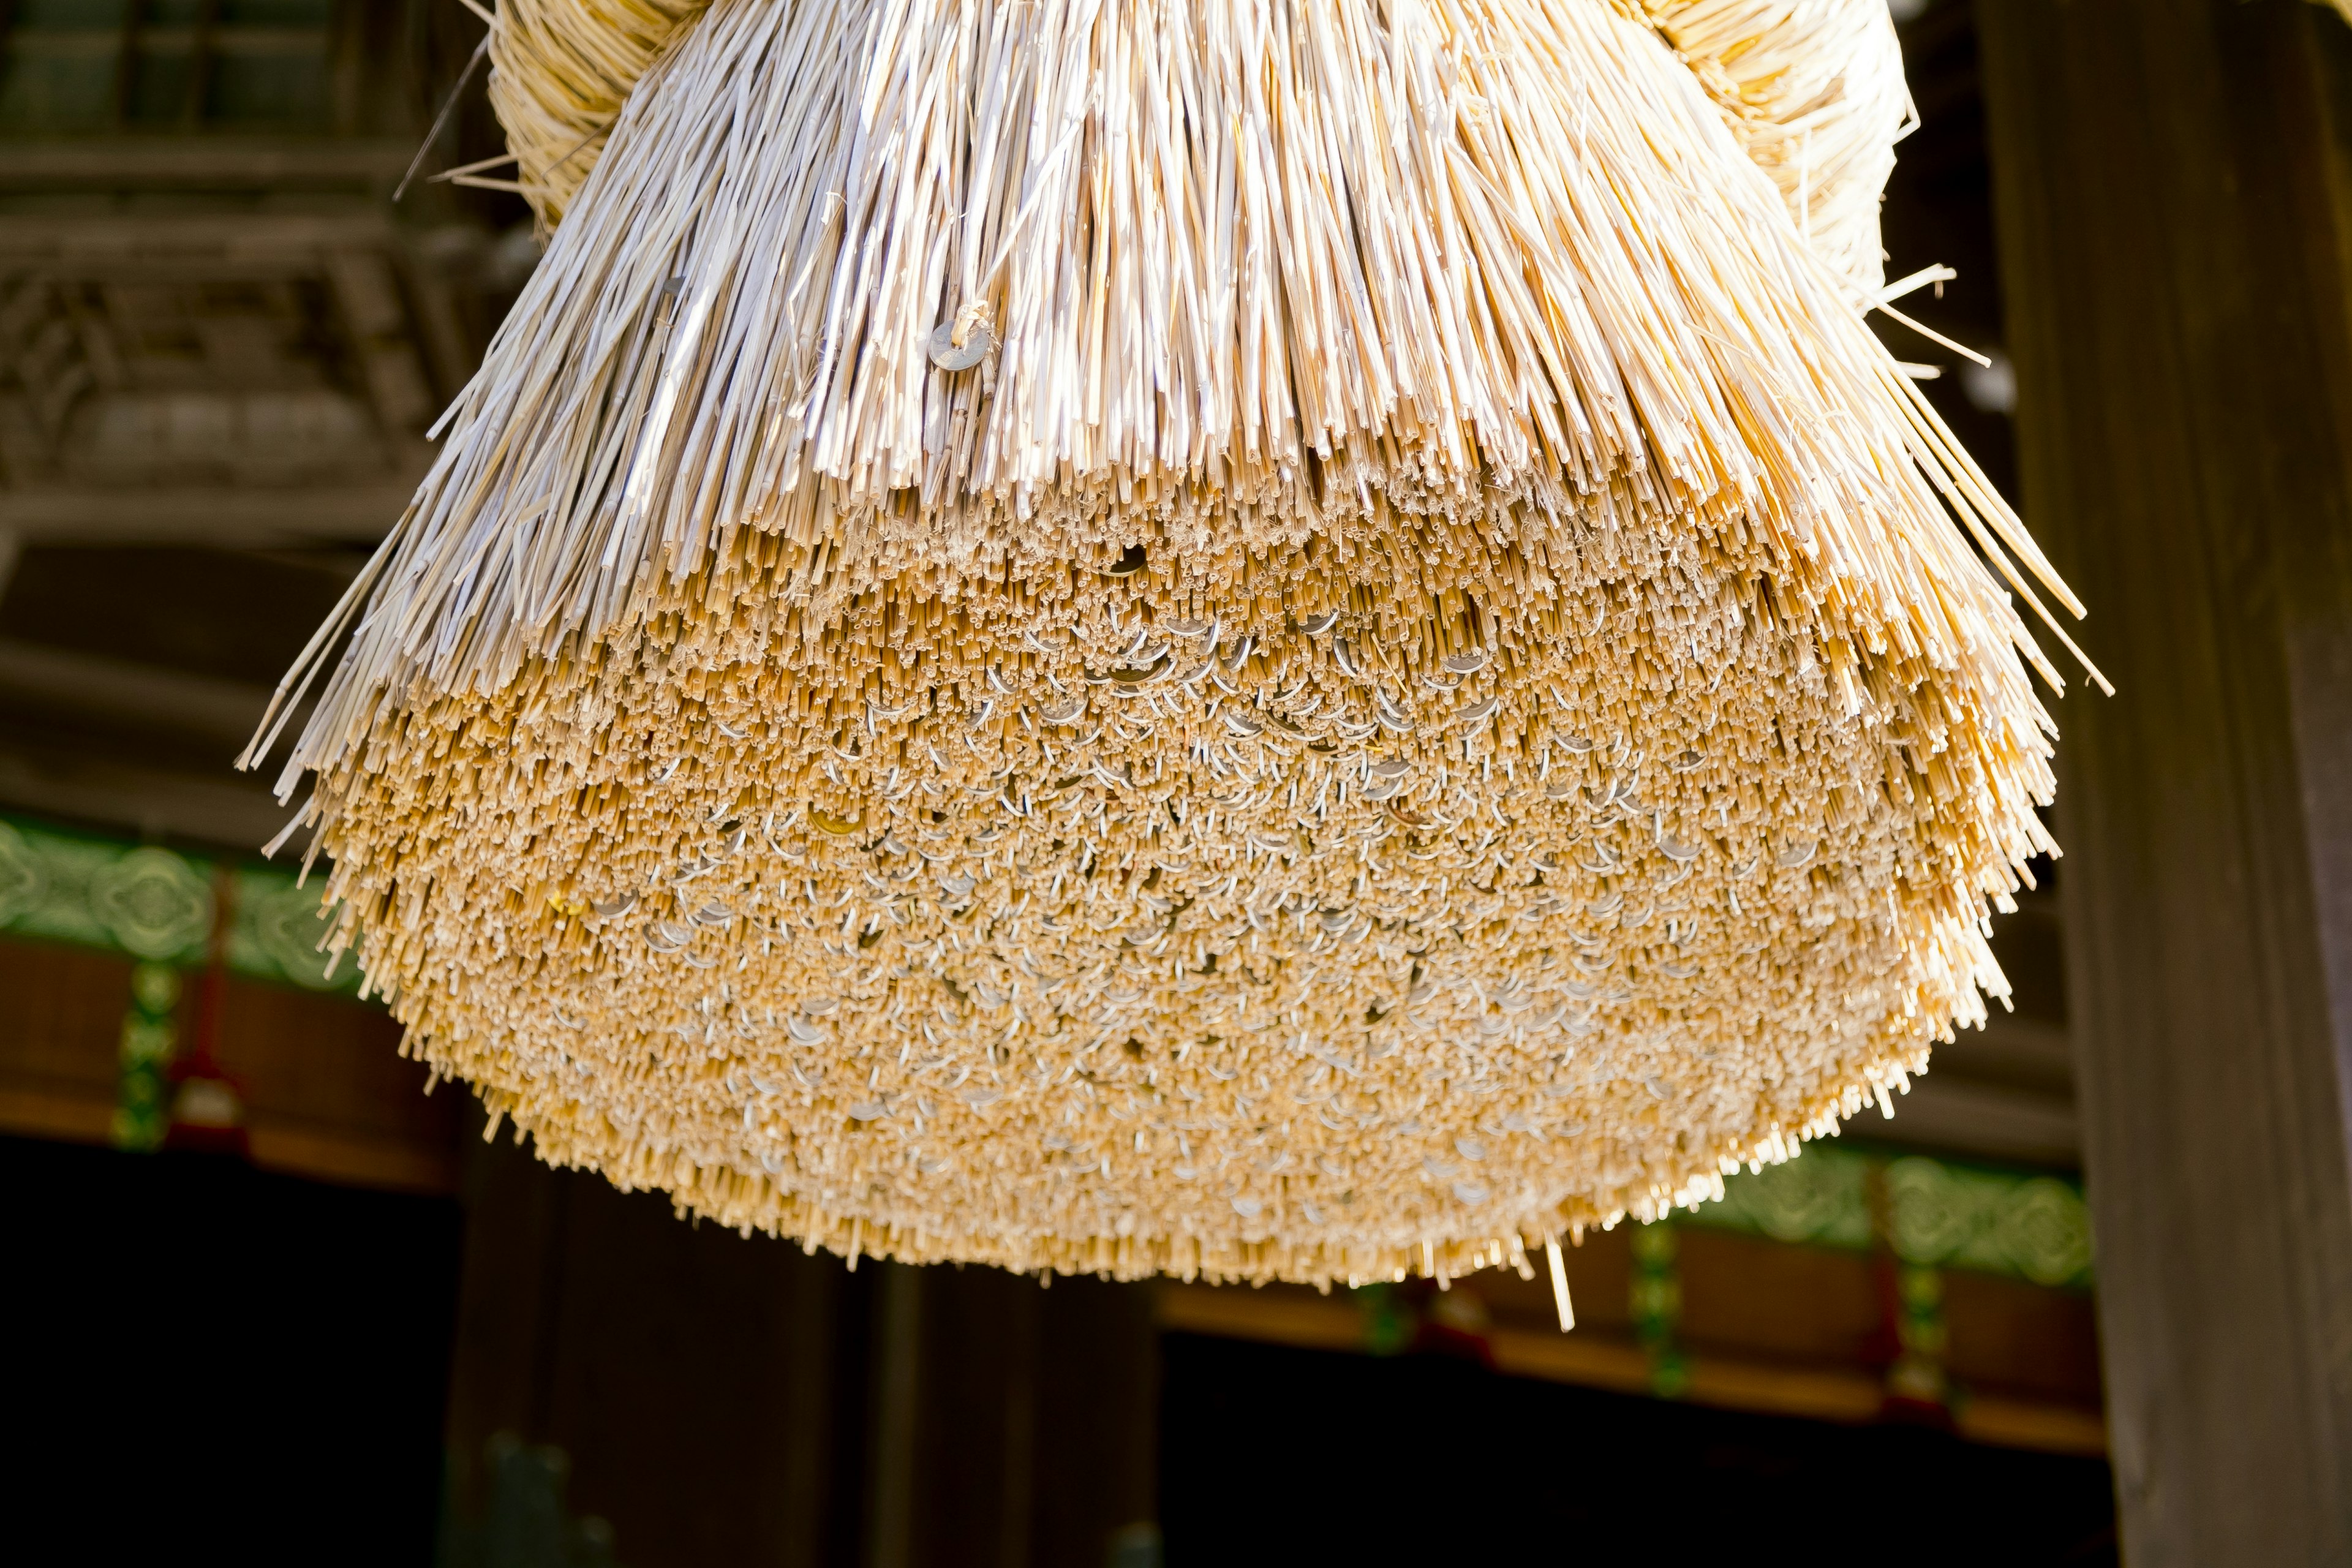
x: 1940, y: 1213
x: 1918, y: 1374
x: 1654, y: 1297
x: 150, y: 1034
x: 155, y: 905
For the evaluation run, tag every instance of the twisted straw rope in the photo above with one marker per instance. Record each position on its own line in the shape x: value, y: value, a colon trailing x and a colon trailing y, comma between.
x: 1263, y: 641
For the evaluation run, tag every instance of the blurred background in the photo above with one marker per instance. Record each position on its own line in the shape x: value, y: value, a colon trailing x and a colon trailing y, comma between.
x: 269, y: 1297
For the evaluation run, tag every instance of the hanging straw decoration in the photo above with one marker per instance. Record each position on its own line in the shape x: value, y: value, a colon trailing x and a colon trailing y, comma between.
x: 1259, y: 639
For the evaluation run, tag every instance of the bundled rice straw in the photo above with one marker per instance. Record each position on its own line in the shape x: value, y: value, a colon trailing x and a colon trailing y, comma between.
x: 1264, y: 640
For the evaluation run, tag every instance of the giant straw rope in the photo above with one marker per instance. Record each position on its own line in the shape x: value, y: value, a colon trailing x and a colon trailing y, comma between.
x: 1264, y: 639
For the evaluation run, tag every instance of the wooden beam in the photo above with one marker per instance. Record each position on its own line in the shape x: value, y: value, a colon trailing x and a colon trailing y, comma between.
x: 144, y: 696
x: 249, y: 238
x: 225, y: 517
x: 233, y: 811
x: 1616, y: 1365
x: 1949, y: 1111
x: 2171, y: 197
x: 209, y: 161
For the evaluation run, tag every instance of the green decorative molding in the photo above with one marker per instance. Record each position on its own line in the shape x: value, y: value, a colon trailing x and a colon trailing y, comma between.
x: 151, y: 1033
x: 1919, y: 1375
x: 155, y: 905
x: 1820, y: 1198
x: 1939, y: 1213
x: 1655, y: 1296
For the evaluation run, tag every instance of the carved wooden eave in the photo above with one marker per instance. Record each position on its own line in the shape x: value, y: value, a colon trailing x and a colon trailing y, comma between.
x: 225, y: 378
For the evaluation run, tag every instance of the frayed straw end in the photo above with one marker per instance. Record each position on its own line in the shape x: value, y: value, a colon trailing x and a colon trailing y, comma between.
x: 1560, y: 1284
x: 301, y: 815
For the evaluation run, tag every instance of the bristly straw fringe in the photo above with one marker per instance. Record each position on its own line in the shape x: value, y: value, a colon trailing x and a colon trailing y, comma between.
x: 1258, y: 639
x: 1816, y: 90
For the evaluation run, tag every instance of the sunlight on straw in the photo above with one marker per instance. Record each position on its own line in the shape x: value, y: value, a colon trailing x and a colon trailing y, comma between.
x: 1411, y: 675
x: 1560, y: 1284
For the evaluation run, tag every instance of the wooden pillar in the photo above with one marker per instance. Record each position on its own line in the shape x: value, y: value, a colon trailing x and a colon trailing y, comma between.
x: 805, y: 1471
x: 1097, y: 1400
x: 892, y: 1501
x: 731, y: 1399
x: 2171, y: 200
